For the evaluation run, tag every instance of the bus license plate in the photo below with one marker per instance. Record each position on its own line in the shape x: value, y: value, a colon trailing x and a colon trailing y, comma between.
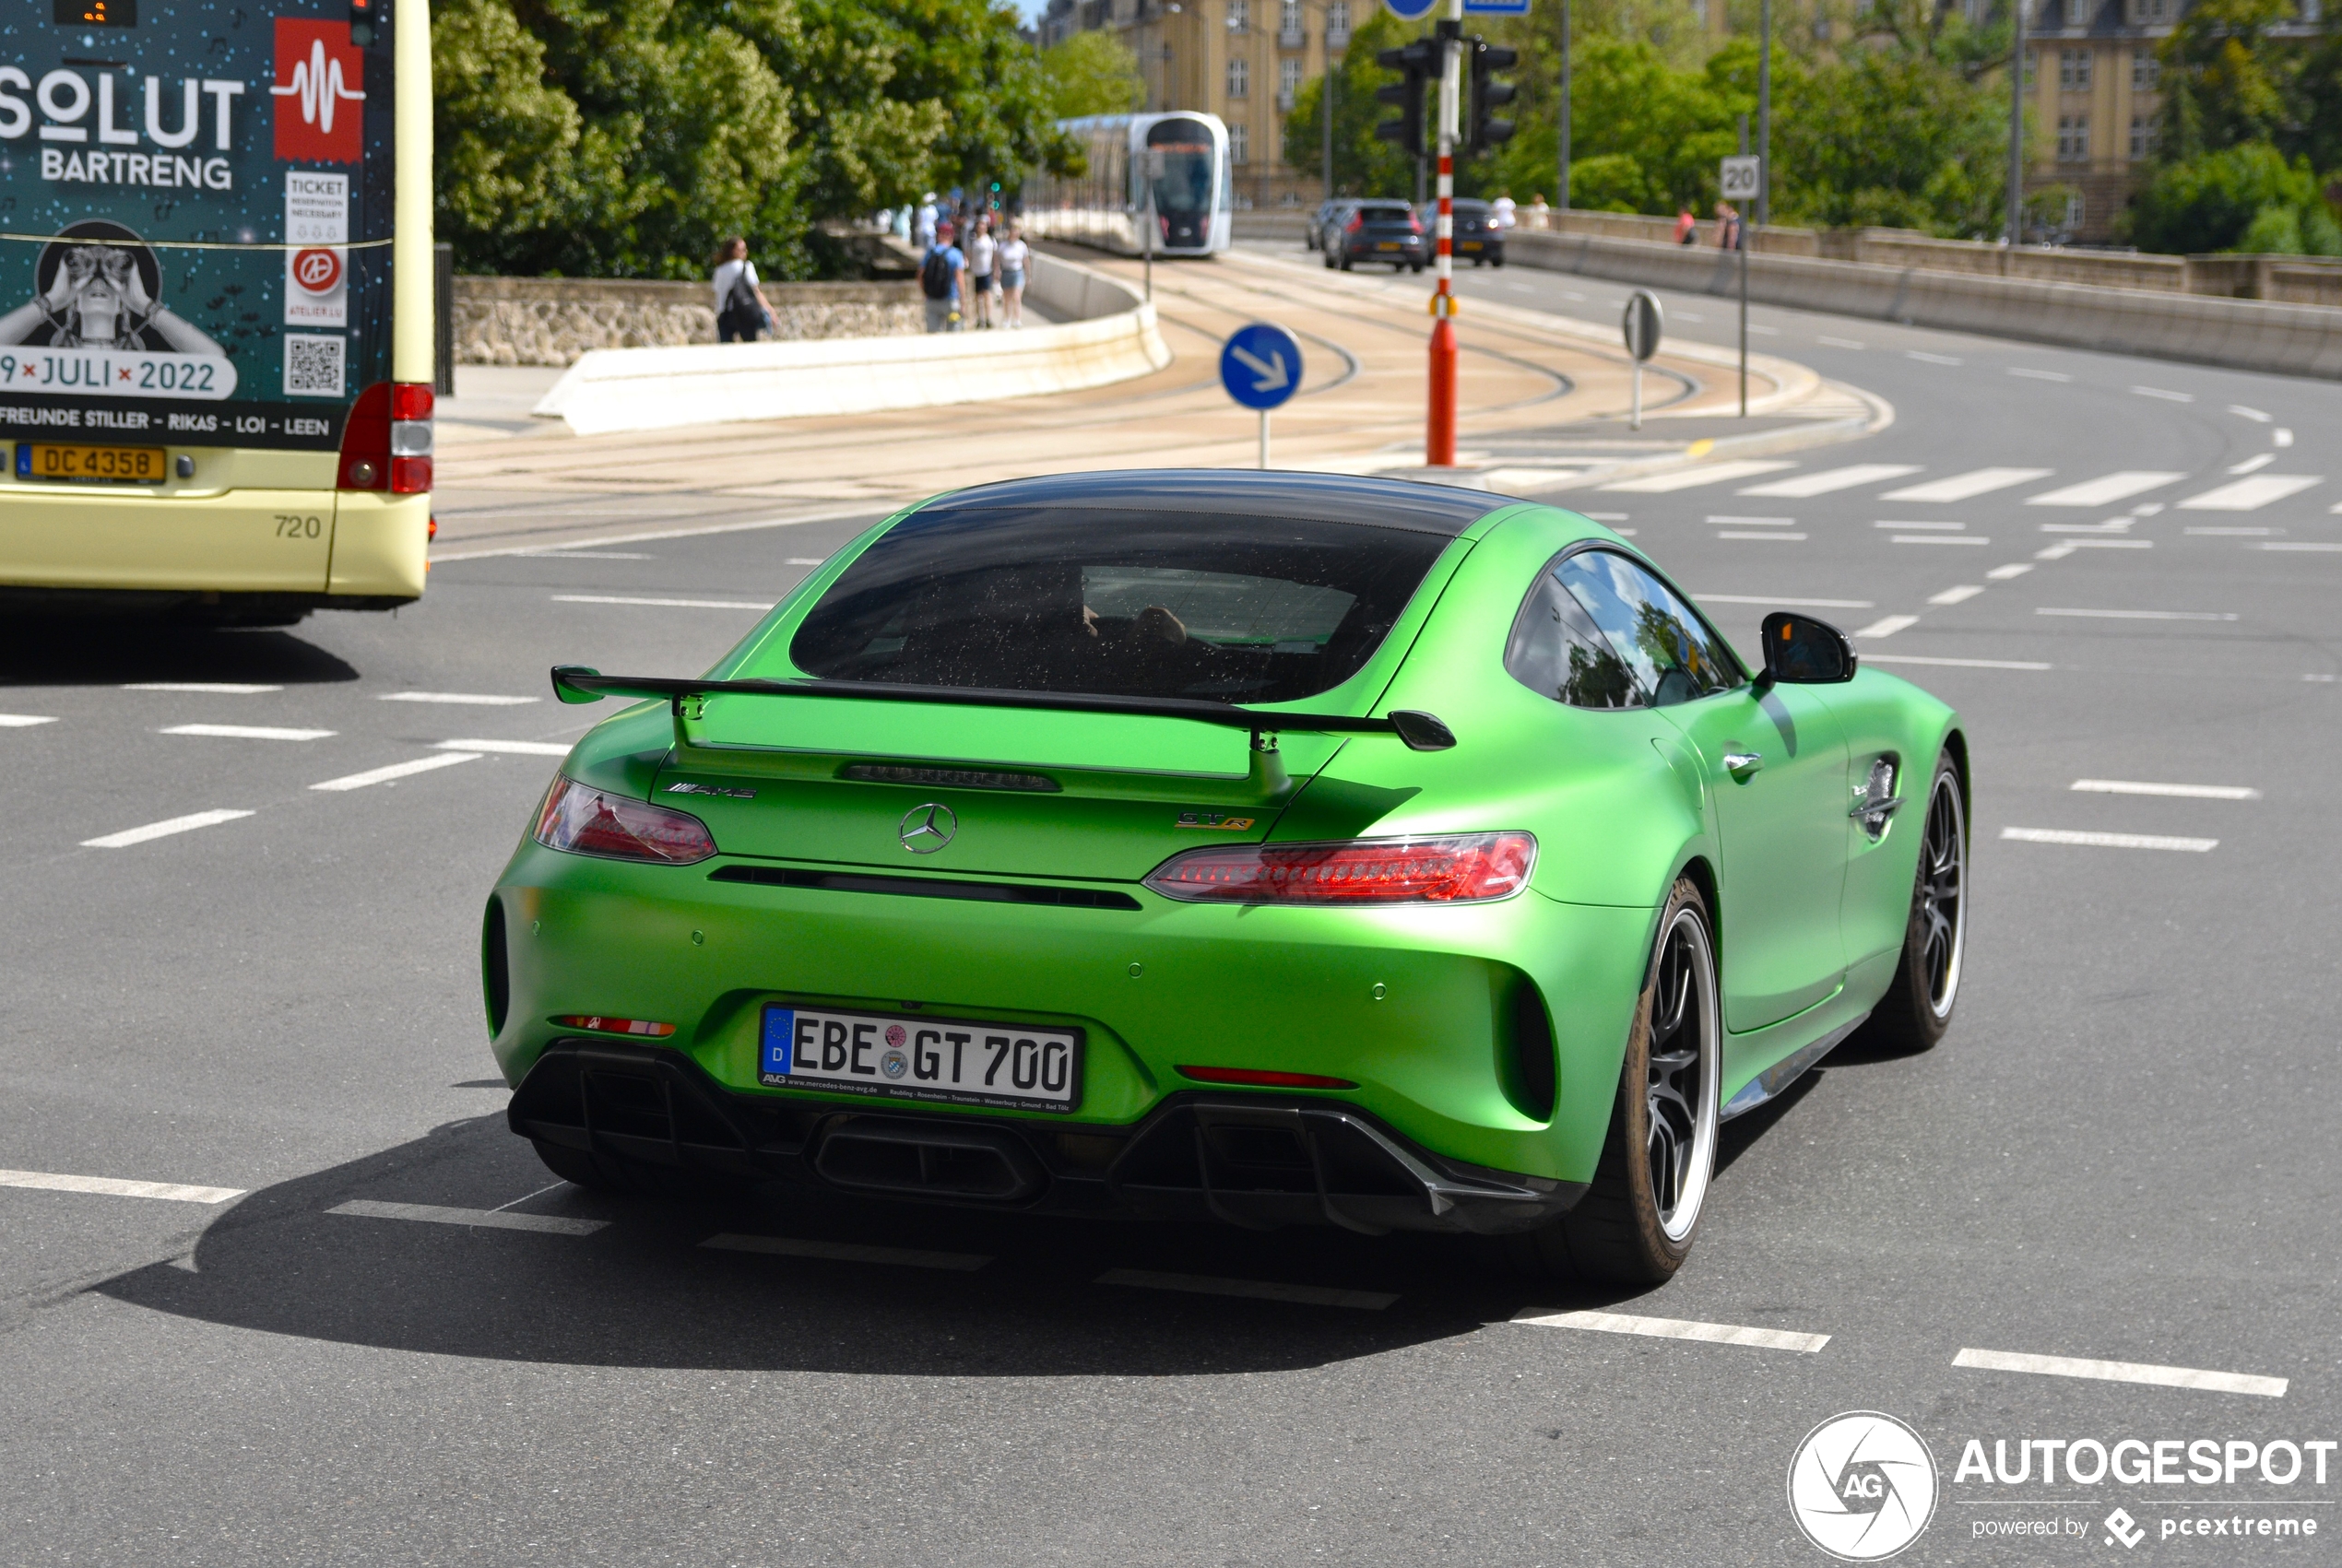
x: 133, y: 464
x: 1007, y: 1067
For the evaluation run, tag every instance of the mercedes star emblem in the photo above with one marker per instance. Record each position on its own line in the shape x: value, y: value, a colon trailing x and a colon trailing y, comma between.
x: 926, y: 829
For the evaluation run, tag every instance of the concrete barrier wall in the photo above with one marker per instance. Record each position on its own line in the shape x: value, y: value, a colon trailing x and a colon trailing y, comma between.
x: 556, y: 321
x: 1111, y: 336
x: 2239, y: 333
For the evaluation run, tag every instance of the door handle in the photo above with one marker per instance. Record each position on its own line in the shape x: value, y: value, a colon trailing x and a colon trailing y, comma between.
x: 1742, y: 765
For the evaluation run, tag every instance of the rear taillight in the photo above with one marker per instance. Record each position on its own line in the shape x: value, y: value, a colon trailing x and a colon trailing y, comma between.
x: 1459, y: 868
x: 386, y: 445
x: 1414, y: 224
x: 1358, y: 221
x: 586, y: 822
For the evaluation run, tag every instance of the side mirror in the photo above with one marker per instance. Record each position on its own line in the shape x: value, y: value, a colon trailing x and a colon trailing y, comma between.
x: 1801, y: 651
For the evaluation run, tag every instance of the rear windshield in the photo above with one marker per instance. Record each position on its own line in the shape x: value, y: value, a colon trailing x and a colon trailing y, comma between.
x: 1397, y: 213
x: 1232, y: 609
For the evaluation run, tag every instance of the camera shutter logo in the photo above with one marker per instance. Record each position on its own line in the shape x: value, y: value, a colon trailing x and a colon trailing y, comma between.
x: 1862, y: 1486
x: 317, y: 270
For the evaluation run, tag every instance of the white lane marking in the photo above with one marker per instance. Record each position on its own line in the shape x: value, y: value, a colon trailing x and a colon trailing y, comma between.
x: 1941, y: 526
x: 1929, y: 358
x: 2188, y: 792
x: 2108, y: 840
x: 805, y: 560
x: 1840, y: 342
x: 2147, y: 508
x: 1729, y: 517
x: 2107, y: 489
x: 247, y: 732
x: 230, y: 688
x: 1673, y: 1328
x: 2232, y: 532
x: 2252, y: 465
x: 1766, y: 331
x: 163, y: 829
x: 1830, y: 480
x: 2322, y: 677
x: 2303, y: 544
x: 1748, y: 534
x: 1573, y: 294
x: 2111, y: 526
x: 1686, y: 315
x: 2014, y: 569
x: 557, y: 554
x: 847, y: 1252
x: 2281, y: 438
x: 1792, y: 604
x: 1254, y: 1290
x: 23, y: 721
x: 508, y: 747
x: 2037, y: 375
x: 1959, y: 596
x: 1606, y: 516
x: 658, y: 604
x: 1956, y: 664
x: 1713, y: 474
x: 2122, y: 1371
x: 1887, y: 625
x: 1938, y: 539
x: 2252, y: 414
x: 460, y: 699
x: 2165, y: 394
x: 109, y: 1186
x: 2139, y: 615
x: 2251, y: 495
x: 2060, y: 551
x: 487, y: 1219
x: 398, y: 771
x: 794, y: 520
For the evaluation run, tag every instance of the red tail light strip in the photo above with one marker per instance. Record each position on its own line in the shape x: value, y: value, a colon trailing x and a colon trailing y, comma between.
x: 586, y: 822
x: 1457, y: 869
x: 601, y: 1025
x: 1251, y: 1078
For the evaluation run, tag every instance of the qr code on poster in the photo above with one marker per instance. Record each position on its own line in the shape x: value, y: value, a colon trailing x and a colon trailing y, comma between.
x: 312, y: 366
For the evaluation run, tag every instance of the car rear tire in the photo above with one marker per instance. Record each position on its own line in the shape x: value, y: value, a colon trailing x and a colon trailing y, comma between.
x: 1917, y: 1008
x: 1345, y: 261
x: 1416, y: 267
x: 1636, y: 1224
x: 1330, y: 261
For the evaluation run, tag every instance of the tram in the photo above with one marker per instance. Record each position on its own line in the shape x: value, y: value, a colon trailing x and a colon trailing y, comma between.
x: 1107, y: 206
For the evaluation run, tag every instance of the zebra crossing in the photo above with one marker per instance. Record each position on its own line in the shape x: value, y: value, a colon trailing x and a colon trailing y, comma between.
x: 2250, y: 493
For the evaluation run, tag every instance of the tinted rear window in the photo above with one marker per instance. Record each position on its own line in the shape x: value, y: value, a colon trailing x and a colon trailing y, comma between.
x: 1232, y: 609
x: 1388, y: 214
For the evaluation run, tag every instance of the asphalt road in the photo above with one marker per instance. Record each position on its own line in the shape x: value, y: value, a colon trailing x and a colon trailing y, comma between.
x: 2123, y: 1152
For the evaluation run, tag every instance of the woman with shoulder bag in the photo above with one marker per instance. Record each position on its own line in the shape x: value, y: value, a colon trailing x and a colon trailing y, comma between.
x: 742, y: 312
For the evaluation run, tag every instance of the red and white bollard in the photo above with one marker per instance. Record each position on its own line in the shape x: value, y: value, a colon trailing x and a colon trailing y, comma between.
x: 1439, y: 429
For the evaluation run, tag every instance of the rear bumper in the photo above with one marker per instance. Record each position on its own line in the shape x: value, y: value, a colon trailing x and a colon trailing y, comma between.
x: 1259, y: 1164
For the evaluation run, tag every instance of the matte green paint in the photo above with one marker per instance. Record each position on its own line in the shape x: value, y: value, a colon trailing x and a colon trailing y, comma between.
x: 1812, y: 912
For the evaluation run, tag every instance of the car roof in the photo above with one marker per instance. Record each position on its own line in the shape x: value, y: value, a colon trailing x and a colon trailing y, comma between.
x: 1328, y: 497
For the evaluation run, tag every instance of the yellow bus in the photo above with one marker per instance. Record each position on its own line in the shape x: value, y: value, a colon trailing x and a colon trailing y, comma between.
x: 216, y: 328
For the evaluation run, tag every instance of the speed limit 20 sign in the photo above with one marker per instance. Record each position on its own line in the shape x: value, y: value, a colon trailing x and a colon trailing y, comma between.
x: 1742, y: 176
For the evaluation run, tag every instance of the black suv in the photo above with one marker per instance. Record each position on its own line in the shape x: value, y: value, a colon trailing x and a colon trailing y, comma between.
x: 1377, y: 230
x: 1479, y: 238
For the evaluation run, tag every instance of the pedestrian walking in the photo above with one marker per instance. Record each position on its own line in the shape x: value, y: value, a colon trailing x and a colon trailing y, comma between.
x: 1687, y: 226
x: 742, y: 312
x: 923, y: 225
x: 1539, y: 215
x: 1728, y: 236
x: 981, y: 250
x: 1010, y: 262
x: 1507, y: 210
x: 943, y: 280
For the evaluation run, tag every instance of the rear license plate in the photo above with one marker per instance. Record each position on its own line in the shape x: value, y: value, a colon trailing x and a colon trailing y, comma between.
x: 1388, y: 245
x: 134, y: 465
x: 1468, y: 245
x: 1007, y: 1067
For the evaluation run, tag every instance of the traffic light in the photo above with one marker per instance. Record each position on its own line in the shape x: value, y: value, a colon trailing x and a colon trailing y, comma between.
x: 1418, y: 62
x: 1484, y: 130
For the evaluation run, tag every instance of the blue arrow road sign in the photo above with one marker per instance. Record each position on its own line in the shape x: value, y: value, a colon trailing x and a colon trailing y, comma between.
x: 1262, y: 365
x: 1411, y: 10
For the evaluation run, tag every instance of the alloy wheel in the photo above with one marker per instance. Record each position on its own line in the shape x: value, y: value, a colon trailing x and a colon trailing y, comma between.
x: 1942, y: 913
x: 1683, y: 1058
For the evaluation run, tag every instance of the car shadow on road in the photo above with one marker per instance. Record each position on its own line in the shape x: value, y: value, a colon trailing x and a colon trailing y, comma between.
x: 646, y: 1292
x: 111, y: 650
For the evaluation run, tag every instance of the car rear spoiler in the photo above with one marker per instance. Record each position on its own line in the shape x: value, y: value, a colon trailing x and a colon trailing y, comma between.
x: 1419, y: 731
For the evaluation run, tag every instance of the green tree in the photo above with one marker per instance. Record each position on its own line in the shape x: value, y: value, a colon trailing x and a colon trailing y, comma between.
x: 1897, y: 134
x: 2212, y: 201
x: 1091, y: 72
x: 1364, y: 165
x: 2225, y: 81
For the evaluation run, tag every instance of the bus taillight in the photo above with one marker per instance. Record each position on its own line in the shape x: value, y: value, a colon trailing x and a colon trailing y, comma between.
x: 386, y: 445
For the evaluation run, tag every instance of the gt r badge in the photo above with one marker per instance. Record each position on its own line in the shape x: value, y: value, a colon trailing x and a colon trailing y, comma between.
x: 711, y: 789
x: 926, y: 828
x: 1213, y: 821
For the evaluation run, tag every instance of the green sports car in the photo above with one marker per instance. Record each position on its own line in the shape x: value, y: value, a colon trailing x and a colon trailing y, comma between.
x: 1270, y: 848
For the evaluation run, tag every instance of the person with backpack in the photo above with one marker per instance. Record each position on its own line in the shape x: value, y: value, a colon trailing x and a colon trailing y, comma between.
x: 743, y: 312
x: 944, y: 279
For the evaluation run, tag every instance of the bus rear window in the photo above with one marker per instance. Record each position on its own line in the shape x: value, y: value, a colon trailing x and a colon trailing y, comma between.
x: 1232, y: 609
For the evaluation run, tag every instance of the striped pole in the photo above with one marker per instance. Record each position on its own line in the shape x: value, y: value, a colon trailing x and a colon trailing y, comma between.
x: 1439, y: 431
